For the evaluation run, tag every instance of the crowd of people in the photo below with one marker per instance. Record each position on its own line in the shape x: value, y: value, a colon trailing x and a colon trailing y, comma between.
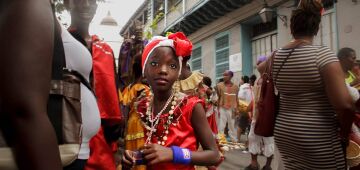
x: 168, y: 117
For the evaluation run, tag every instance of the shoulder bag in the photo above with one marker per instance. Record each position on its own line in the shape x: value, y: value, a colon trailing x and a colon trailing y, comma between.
x: 64, y: 109
x: 268, y: 102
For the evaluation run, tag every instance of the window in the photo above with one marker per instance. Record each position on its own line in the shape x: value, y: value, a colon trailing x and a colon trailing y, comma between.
x: 264, y: 41
x: 327, y: 35
x: 262, y: 28
x: 196, y: 59
x: 221, y: 55
x: 263, y: 45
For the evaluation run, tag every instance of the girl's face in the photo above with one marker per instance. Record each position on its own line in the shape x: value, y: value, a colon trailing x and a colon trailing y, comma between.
x: 162, y: 69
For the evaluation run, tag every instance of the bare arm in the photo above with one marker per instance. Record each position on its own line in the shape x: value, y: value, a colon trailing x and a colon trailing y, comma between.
x: 261, y: 67
x: 26, y: 33
x: 155, y: 153
x: 210, y: 154
x: 338, y: 95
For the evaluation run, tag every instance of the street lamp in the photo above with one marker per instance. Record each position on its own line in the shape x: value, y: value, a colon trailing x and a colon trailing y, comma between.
x: 267, y: 14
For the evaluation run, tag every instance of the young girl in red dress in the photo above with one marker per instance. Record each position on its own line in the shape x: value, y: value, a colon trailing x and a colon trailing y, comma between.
x: 174, y: 123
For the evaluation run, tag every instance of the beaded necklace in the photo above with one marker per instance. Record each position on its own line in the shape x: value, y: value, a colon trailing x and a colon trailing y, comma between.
x: 151, y: 123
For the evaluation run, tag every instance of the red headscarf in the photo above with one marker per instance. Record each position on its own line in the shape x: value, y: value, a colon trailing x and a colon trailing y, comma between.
x: 177, y: 41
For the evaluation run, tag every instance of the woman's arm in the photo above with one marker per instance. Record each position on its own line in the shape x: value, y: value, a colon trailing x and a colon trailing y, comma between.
x: 338, y: 95
x: 210, y: 154
x: 26, y: 34
x: 261, y: 67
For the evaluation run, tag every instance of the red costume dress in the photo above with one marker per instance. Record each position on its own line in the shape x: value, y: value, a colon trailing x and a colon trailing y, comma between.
x: 180, y: 134
x: 104, y: 84
x: 209, y: 109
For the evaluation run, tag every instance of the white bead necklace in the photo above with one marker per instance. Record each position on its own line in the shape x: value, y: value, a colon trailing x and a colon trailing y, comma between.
x: 154, y: 121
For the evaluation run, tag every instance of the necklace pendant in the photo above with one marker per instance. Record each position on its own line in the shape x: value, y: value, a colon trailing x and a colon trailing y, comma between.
x: 165, y: 138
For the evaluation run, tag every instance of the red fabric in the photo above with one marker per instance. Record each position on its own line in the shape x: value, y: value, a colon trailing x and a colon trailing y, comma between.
x: 212, y: 122
x: 181, y: 45
x: 147, y: 51
x: 104, y: 80
x: 181, y: 135
x: 101, y: 153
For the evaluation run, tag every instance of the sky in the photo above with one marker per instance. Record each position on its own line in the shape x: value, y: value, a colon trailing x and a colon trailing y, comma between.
x: 121, y: 11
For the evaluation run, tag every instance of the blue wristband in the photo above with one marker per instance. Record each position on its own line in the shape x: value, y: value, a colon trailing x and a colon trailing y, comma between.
x: 181, y: 155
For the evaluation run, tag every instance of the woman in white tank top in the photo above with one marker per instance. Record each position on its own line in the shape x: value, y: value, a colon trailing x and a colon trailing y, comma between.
x: 79, y: 58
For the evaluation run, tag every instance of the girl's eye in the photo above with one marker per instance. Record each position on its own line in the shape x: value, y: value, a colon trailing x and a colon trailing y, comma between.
x: 153, y: 63
x: 173, y: 66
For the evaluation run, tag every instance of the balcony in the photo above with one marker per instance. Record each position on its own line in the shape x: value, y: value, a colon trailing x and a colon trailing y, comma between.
x: 202, y: 14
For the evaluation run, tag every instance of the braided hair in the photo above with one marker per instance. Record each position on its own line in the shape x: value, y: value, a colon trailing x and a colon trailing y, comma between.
x: 306, y: 18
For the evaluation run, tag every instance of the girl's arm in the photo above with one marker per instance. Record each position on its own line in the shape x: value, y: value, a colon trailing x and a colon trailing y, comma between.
x: 210, y: 154
x: 155, y: 153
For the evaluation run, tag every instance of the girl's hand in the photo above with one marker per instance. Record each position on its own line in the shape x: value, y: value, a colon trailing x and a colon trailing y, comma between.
x: 128, y: 160
x: 155, y: 153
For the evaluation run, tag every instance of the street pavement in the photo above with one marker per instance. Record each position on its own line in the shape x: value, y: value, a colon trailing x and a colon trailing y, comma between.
x: 237, y: 160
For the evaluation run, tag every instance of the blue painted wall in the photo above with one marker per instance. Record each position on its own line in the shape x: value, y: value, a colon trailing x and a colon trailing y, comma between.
x: 246, y: 49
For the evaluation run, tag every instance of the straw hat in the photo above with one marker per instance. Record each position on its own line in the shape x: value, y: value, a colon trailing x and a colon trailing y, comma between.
x: 353, y: 154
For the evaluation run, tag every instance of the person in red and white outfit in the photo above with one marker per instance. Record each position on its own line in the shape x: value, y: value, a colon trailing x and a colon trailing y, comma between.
x: 174, y: 123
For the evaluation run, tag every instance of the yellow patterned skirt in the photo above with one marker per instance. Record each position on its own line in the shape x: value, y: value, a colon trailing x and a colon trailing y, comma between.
x: 134, y: 138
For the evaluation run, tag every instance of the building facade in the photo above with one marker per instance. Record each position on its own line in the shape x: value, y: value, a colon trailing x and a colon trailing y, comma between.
x: 230, y: 34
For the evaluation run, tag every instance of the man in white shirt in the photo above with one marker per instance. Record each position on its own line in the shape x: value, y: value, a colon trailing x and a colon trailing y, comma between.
x: 245, y: 94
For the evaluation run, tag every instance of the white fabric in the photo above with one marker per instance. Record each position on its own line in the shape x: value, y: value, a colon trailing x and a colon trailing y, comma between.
x: 255, y: 143
x: 245, y: 92
x: 354, y: 93
x: 226, y: 116
x: 79, y: 58
x: 165, y: 42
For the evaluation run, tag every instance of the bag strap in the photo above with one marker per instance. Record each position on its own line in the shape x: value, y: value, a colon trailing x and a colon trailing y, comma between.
x: 82, y: 79
x: 298, y: 43
x: 58, y: 62
x: 282, y: 64
x: 54, y: 105
x: 55, y: 102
